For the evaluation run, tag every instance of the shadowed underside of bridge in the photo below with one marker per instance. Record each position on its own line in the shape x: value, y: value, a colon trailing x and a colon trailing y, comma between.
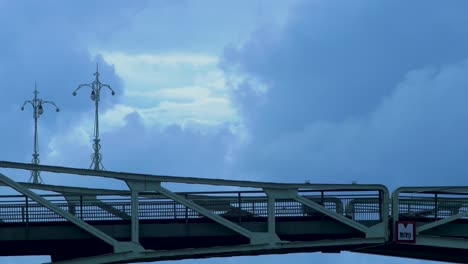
x: 149, y: 222
x: 456, y: 255
x: 65, y: 241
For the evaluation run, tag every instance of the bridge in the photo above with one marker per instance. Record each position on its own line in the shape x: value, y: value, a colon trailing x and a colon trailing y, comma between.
x: 151, y: 221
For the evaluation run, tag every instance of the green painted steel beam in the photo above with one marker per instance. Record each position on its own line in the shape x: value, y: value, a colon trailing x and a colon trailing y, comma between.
x: 73, y: 219
x: 125, y: 176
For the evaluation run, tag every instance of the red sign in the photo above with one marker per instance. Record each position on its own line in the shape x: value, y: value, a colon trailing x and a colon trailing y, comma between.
x: 405, y: 231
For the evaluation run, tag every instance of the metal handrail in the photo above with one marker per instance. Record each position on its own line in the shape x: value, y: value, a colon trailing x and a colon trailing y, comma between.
x: 252, y: 206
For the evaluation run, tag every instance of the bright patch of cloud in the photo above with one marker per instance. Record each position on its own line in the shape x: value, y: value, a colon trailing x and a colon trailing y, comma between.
x: 165, y: 89
x: 77, y: 136
x: 188, y: 90
x: 114, y: 117
x: 161, y: 59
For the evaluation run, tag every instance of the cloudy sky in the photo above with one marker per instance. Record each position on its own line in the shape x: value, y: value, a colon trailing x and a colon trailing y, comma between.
x: 288, y: 91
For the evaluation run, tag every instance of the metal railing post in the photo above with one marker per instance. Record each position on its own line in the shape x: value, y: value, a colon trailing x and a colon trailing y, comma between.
x: 135, y: 235
x: 271, y: 211
x: 253, y: 207
x: 186, y: 210
x: 322, y: 204
x: 27, y: 210
x: 380, y: 206
x: 435, y: 207
x: 240, y: 206
x: 81, y: 207
x: 174, y: 207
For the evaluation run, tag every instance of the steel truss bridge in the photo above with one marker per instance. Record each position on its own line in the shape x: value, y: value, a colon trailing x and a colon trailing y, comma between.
x: 150, y: 222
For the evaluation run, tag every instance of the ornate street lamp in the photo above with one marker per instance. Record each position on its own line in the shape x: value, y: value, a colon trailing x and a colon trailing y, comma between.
x: 38, y: 110
x: 96, y: 87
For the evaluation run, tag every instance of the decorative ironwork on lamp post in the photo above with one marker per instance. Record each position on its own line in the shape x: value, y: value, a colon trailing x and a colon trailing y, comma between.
x: 96, y: 87
x: 38, y: 110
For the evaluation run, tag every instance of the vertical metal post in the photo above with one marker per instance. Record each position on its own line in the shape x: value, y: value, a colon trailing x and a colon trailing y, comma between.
x: 322, y: 204
x: 27, y: 210
x: 380, y: 206
x: 135, y: 219
x: 186, y: 211
x: 81, y: 207
x: 96, y: 87
x: 174, y: 207
x: 38, y: 110
x: 240, y: 206
x: 253, y: 207
x: 436, y: 207
x: 271, y: 215
x: 35, y: 174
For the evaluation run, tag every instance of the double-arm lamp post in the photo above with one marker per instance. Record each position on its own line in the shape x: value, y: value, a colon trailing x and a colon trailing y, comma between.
x: 38, y: 110
x: 96, y: 87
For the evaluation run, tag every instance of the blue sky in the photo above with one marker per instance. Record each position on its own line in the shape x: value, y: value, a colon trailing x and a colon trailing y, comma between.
x: 289, y: 91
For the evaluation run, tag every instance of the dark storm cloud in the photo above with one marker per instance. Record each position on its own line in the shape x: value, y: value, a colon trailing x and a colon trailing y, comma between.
x: 348, y: 55
x: 171, y: 150
x: 370, y: 91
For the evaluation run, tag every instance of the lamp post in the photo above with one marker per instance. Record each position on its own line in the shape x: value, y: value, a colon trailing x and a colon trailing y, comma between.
x: 96, y: 87
x: 38, y: 110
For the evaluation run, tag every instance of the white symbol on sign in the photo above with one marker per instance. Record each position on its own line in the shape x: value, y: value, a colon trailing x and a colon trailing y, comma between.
x: 405, y: 232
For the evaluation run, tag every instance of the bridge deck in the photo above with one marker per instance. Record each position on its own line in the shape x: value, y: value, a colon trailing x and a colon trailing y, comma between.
x: 150, y: 222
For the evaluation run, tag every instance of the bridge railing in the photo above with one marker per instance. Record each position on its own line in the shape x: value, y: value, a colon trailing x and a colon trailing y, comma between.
x: 365, y: 206
x: 238, y: 206
x: 20, y: 209
x: 429, y: 203
x: 438, y: 213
